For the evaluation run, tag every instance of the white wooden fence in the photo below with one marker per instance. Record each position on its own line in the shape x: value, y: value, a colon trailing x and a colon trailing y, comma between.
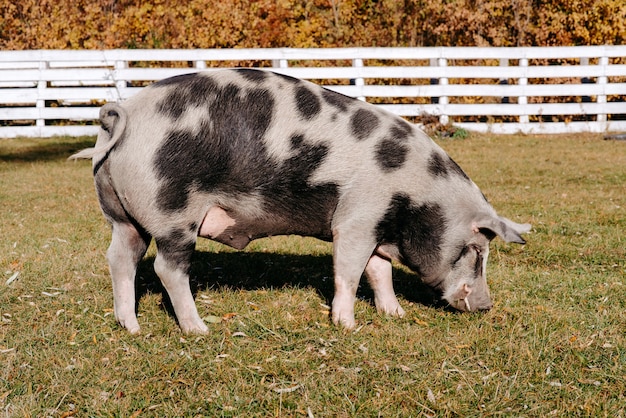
x: 502, y: 90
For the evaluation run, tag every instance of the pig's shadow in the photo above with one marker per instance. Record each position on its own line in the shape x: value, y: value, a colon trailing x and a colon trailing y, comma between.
x: 260, y: 270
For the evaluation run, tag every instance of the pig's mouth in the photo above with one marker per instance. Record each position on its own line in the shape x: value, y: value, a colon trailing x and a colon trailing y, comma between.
x: 462, y: 305
x: 459, y: 300
x: 464, y: 299
x: 465, y: 304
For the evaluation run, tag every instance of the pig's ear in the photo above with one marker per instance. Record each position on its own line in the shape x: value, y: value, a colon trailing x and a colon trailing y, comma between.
x: 502, y: 227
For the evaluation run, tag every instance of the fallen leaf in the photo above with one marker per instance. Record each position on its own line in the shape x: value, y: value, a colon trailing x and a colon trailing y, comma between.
x: 287, y: 390
x: 4, y: 395
x: 51, y: 294
x: 12, y: 278
x: 420, y: 322
x: 212, y: 319
x: 431, y: 396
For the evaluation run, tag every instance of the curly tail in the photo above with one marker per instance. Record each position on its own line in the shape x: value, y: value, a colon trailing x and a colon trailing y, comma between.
x: 113, y: 123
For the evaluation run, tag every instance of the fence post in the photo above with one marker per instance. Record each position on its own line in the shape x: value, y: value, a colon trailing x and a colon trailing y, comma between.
x: 280, y: 63
x: 504, y: 62
x: 200, y: 65
x: 584, y: 61
x: 120, y: 85
x: 40, y: 104
x: 433, y: 81
x: 357, y: 63
x: 443, y: 100
x: 523, y: 100
x: 602, y: 80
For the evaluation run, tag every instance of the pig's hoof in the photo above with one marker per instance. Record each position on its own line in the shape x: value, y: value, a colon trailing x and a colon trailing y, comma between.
x: 131, y: 326
x: 347, y: 323
x: 134, y: 330
x: 395, y: 310
x: 194, y: 328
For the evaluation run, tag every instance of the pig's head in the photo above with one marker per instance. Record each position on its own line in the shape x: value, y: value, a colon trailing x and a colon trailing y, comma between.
x: 465, y: 287
x: 447, y: 244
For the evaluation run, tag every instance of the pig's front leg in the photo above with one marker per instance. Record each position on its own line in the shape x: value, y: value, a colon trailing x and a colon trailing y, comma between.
x: 350, y: 255
x: 378, y: 272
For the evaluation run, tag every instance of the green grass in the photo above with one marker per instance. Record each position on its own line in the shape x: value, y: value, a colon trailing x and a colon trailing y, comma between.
x: 554, y: 344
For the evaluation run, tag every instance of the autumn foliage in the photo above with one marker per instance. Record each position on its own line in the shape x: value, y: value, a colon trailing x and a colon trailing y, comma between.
x: 104, y: 24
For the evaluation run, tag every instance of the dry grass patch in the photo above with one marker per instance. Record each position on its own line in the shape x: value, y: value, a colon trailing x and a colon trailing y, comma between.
x: 554, y: 344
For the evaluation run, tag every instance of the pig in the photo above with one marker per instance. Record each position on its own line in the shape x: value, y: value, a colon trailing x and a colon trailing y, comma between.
x: 240, y: 154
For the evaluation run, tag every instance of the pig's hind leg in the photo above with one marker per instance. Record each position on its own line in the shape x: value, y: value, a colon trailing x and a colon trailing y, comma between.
x: 172, y: 265
x: 128, y: 246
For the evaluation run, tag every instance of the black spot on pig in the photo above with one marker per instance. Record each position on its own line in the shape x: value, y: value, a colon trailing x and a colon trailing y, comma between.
x: 437, y: 165
x: 418, y: 231
x: 363, y: 123
x: 443, y: 166
x: 292, y: 204
x: 253, y: 75
x: 296, y: 141
x: 307, y: 102
x: 177, y: 247
x: 454, y: 167
x: 400, y: 130
x: 337, y: 100
x: 288, y: 78
x: 178, y: 80
x: 390, y: 154
x: 223, y: 152
x: 297, y: 204
x: 188, y: 90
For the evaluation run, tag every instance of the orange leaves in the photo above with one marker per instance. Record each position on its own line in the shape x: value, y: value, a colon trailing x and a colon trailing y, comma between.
x: 91, y: 24
x: 581, y: 22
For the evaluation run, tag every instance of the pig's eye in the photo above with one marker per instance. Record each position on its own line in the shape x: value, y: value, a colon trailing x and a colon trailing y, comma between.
x: 473, y: 251
x: 464, y: 252
x: 478, y: 264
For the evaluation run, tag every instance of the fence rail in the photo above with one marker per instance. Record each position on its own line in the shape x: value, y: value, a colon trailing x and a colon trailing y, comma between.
x: 503, y: 90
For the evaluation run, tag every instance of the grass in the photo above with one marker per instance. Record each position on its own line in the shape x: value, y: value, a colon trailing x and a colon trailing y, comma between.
x: 554, y: 344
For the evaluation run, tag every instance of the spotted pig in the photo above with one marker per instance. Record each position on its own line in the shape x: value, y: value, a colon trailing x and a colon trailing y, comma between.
x: 236, y: 155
